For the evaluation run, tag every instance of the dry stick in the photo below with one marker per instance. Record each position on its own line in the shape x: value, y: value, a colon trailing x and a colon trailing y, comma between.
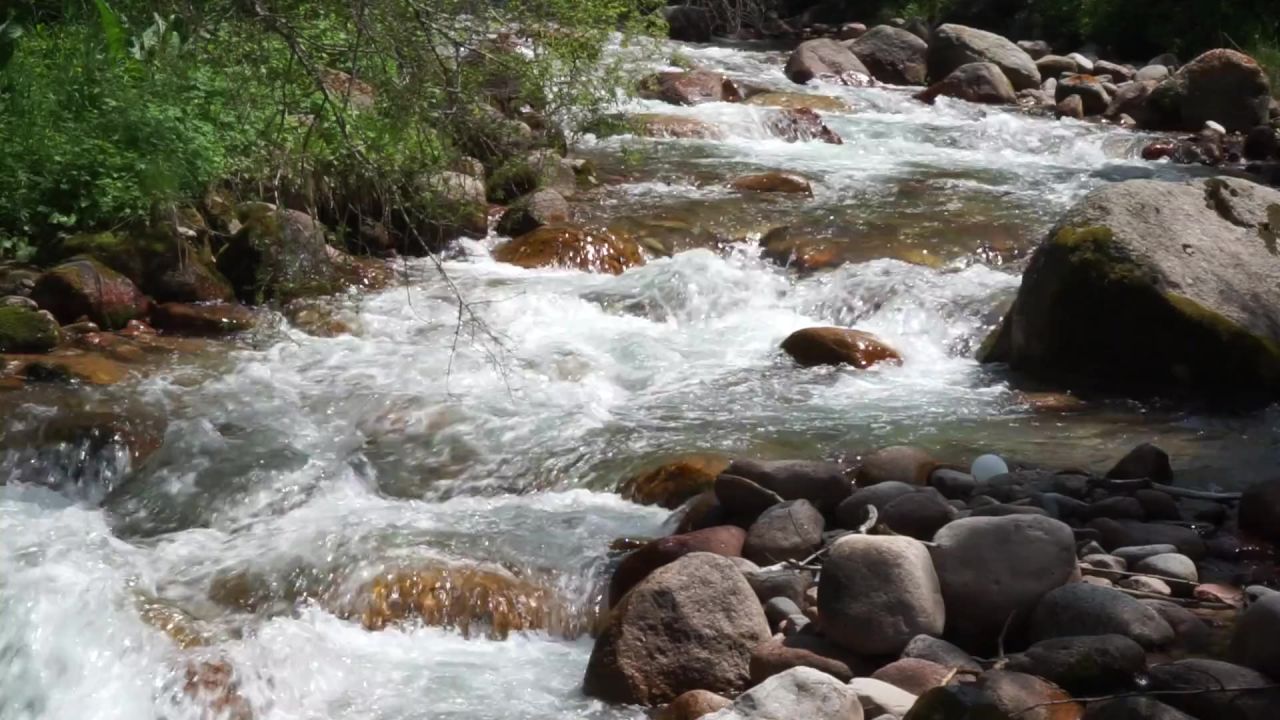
x: 1146, y: 693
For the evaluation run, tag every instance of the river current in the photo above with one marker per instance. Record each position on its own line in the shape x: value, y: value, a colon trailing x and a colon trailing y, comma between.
x: 295, y: 468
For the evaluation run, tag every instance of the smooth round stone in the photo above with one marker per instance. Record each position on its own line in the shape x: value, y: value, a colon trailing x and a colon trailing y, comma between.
x: 1169, y: 565
x: 1137, y: 553
x: 988, y: 466
x: 1145, y: 584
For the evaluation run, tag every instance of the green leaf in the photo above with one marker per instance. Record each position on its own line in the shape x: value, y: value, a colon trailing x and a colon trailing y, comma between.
x: 112, y: 30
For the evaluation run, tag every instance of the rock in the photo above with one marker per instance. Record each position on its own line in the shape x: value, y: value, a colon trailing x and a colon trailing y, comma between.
x: 1134, y: 708
x: 1107, y: 566
x: 772, y: 182
x: 203, y: 319
x: 723, y: 540
x: 688, y: 23
x: 1082, y: 62
x: 674, y: 126
x: 278, y: 255
x: 671, y: 484
x: 878, y: 697
x: 1152, y: 73
x: 543, y: 207
x: 782, y: 582
x: 1261, y: 143
x: 799, y: 125
x: 87, y: 288
x: 743, y: 499
x: 1086, y: 665
x: 797, y: 693
x: 893, y: 55
x: 1128, y: 533
x: 1144, y: 461
x: 1036, y: 49
x: 691, y: 625
x: 1191, y: 634
x: 851, y: 31
x: 1118, y: 507
x: 997, y: 695
x: 778, y: 609
x: 898, y: 463
x: 1158, y: 505
x: 853, y: 511
x: 1169, y: 565
x: 321, y: 319
x: 796, y: 101
x: 693, y: 87
x: 1253, y: 643
x: 954, y: 46
x: 1180, y: 258
x: 571, y: 246
x: 1222, y: 86
x: 1055, y: 66
x: 24, y: 330
x: 1233, y: 689
x: 778, y: 655
x: 1121, y: 73
x: 1081, y: 609
x: 695, y: 703
x: 914, y: 675
x: 976, y: 83
x: 953, y: 484
x: 1130, y: 100
x: 1259, y: 513
x: 1086, y: 87
x: 788, y: 531
x: 821, y: 483
x: 1144, y: 584
x: 1134, y: 554
x: 1070, y: 107
x: 941, y: 652
x: 62, y: 367
x: 838, y: 346
x: 827, y: 61
x: 878, y: 592
x: 169, y: 260
x: 919, y: 515
x: 1002, y: 510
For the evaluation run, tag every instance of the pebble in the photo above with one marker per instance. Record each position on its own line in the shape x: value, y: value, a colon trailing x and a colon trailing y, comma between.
x: 1136, y: 554
x: 1143, y: 583
x: 1169, y: 565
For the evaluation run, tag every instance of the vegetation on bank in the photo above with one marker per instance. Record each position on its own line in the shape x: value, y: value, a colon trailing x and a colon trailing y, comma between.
x: 115, y: 110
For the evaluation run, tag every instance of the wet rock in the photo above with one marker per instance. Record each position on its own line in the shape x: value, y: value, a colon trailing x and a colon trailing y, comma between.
x: 204, y: 319
x: 821, y: 483
x: 1036, y: 49
x: 1253, y: 643
x: 1055, y: 66
x: 25, y: 330
x: 1089, y: 89
x: 974, y: 82
x: 212, y: 685
x: 571, y: 246
x: 898, y: 463
x: 87, y: 288
x: 278, y: 255
x: 919, y: 515
x: 914, y: 675
x: 1130, y: 100
x: 1083, y: 665
x: 1070, y: 107
x: 878, y: 592
x: 788, y: 531
x: 64, y: 367
x: 997, y: 695
x: 1262, y: 143
x: 893, y: 55
x: 1117, y: 534
x: 838, y: 346
x: 743, y: 499
x: 796, y: 101
x: 1222, y: 86
x: 1081, y: 609
x: 675, y: 126
x: 671, y: 484
x: 991, y: 568
x: 1159, y: 250
x: 321, y: 319
x: 691, y: 625
x: 1228, y: 691
x: 954, y: 46
x: 1259, y: 513
x: 941, y: 652
x: 1169, y: 565
x: 693, y: 87
x: 878, y: 697
x: 826, y: 60
x: 723, y: 540
x: 1144, y: 461
x: 772, y: 182
x: 778, y: 655
x: 799, y: 125
x: 851, y: 31
x: 688, y: 23
x: 543, y: 207
x: 1134, y: 708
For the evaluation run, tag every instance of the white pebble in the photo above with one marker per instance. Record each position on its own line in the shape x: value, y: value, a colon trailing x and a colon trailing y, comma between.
x: 986, y: 467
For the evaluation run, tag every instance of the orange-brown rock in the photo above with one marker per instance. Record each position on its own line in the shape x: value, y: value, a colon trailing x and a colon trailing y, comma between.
x: 675, y: 126
x: 213, y: 684
x: 202, y: 318
x: 772, y: 182
x: 672, y: 483
x: 796, y: 101
x: 838, y: 346
x: 693, y: 705
x: 803, y: 254
x: 724, y: 540
x: 184, y: 630
x: 570, y: 246
x: 64, y: 366
x: 689, y: 88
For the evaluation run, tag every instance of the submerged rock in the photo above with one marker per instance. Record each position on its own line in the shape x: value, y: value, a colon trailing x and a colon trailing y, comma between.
x: 799, y: 125
x: 571, y: 246
x: 838, y: 346
x: 669, y: 485
x: 674, y: 126
x: 772, y: 182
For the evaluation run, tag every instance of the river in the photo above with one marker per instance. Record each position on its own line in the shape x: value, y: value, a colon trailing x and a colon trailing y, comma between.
x: 294, y: 469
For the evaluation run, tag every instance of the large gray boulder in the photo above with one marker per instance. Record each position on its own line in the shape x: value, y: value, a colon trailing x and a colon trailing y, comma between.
x: 956, y: 45
x: 828, y: 61
x: 974, y: 82
x: 893, y: 55
x: 797, y: 693
x: 1084, y: 609
x: 877, y: 592
x: 995, y: 568
x: 1224, y: 86
x: 1155, y: 287
x: 691, y: 625
x: 1254, y: 642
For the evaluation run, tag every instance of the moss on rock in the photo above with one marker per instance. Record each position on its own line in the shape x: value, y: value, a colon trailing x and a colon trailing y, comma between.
x: 23, y: 330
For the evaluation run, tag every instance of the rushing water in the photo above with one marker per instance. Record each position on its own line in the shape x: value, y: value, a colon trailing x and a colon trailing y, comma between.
x: 296, y: 468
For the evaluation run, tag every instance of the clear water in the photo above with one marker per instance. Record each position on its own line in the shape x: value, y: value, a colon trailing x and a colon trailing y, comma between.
x: 305, y: 466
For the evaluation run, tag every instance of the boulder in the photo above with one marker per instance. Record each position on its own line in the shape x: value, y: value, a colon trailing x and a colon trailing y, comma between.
x: 1117, y: 534
x: 1222, y: 86
x: 1070, y: 107
x: 797, y: 693
x: 571, y: 246
x: 799, y: 125
x: 672, y: 483
x: 691, y: 625
x: 205, y: 319
x: 881, y: 698
x: 779, y: 654
x: 278, y: 255
x: 1130, y: 100
x: 853, y: 511
x: 941, y: 652
x: 878, y: 592
x: 87, y: 288
x: 24, y: 330
x: 1036, y: 49
x: 1085, y: 665
x: 893, y: 55
x: 688, y: 23
x: 788, y: 531
x: 994, y: 568
x: 1259, y: 513
x: 1055, y: 66
x: 821, y: 483
x: 1262, y: 143
x: 1253, y: 643
x: 692, y: 87
x: 828, y: 61
x: 542, y: 207
x: 693, y: 705
x: 919, y: 515
x: 772, y: 182
x: 723, y: 540
x: 914, y: 675
x: 742, y: 499
x: 1216, y: 689
x: 1089, y: 89
x: 997, y: 695
x: 838, y: 346
x: 1145, y: 461
x: 974, y: 82
x: 1134, y: 708
x: 954, y: 46
x: 1154, y: 287
x: 1083, y: 609
x: 897, y: 463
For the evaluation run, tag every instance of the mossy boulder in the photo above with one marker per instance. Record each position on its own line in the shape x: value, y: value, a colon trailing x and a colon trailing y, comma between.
x: 86, y: 288
x: 1223, y: 86
x: 278, y: 254
x: 23, y: 330
x: 1155, y: 288
x: 165, y: 260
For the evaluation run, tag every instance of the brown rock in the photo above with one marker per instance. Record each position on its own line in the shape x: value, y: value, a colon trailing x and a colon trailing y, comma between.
x: 693, y: 87
x: 67, y: 366
x: 897, y: 463
x: 87, y: 288
x: 1070, y: 107
x: 772, y: 182
x: 669, y: 485
x: 675, y: 126
x: 780, y: 654
x: 543, y: 207
x: 571, y: 246
x: 914, y: 675
x: 828, y: 61
x: 1094, y: 99
x: 202, y: 319
x: 693, y: 705
x: 724, y: 540
x: 975, y: 82
x: 838, y: 346
x: 796, y: 101
x: 800, y: 125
